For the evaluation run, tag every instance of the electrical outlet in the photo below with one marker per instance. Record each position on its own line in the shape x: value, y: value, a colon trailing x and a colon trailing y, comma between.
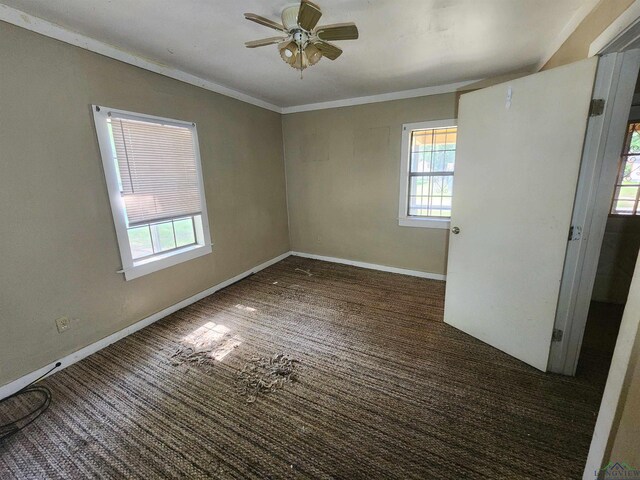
x: 63, y: 324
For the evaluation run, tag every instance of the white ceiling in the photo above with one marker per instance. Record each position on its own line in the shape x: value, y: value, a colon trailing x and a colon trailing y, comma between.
x: 403, y: 45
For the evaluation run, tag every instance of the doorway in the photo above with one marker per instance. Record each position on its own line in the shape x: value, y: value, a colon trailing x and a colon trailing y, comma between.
x: 618, y: 254
x: 598, y: 251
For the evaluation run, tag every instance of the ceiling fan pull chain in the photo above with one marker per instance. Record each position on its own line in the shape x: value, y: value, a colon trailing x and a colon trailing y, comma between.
x: 301, y: 60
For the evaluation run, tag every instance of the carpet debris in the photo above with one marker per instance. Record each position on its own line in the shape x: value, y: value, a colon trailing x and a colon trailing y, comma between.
x: 190, y: 355
x: 308, y: 272
x: 205, y: 345
x: 262, y: 375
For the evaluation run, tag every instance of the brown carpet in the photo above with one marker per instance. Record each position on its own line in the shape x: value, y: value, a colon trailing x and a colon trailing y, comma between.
x: 385, y: 390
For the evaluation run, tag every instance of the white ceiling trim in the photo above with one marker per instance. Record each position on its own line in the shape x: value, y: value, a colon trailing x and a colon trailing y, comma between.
x: 383, y: 97
x: 566, y: 32
x: 625, y: 21
x: 44, y: 27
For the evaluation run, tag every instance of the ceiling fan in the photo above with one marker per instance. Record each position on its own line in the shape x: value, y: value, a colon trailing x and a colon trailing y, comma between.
x: 302, y: 43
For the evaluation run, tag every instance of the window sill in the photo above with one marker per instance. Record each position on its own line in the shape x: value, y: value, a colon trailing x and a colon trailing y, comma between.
x: 425, y: 222
x: 160, y: 262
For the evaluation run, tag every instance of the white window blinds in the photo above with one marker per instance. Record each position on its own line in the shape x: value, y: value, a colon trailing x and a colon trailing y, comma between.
x: 158, y: 172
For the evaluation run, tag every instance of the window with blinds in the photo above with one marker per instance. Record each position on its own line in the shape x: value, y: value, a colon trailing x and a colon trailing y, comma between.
x: 157, y: 168
x: 153, y: 172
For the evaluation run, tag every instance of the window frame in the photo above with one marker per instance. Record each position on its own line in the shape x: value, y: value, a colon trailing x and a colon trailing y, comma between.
x: 622, y: 160
x: 404, y: 219
x: 136, y: 268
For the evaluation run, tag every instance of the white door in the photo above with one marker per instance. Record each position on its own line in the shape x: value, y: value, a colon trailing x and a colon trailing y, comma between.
x: 518, y: 155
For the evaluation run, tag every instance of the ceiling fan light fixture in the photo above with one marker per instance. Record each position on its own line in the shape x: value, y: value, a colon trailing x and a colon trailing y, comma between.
x: 295, y: 57
x: 289, y: 52
x: 312, y: 53
x: 301, y: 62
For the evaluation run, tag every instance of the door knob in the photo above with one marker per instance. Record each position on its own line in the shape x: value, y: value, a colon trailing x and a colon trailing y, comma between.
x: 455, y: 230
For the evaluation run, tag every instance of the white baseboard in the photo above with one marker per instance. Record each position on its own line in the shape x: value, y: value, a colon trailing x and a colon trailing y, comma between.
x: 373, y: 266
x: 21, y: 382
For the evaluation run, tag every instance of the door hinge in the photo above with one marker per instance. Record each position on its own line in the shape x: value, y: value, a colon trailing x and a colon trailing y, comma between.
x: 557, y: 335
x: 597, y: 107
x: 575, y: 232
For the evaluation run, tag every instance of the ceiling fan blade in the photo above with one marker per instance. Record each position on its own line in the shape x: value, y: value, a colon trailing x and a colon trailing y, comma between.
x: 264, y: 21
x: 308, y: 15
x: 328, y: 50
x: 338, y: 31
x: 264, y: 41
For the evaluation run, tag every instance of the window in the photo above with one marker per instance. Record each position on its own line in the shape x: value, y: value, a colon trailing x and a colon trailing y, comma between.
x: 426, y: 188
x: 153, y: 172
x: 627, y: 192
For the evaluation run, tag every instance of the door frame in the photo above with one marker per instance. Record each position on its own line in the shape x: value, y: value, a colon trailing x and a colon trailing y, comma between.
x: 619, y: 49
x: 615, y: 82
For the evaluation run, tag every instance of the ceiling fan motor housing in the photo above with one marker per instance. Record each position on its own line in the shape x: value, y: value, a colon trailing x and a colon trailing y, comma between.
x: 300, y: 37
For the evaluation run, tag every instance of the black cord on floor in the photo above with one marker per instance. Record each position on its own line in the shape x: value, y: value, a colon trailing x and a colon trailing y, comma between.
x: 11, y: 428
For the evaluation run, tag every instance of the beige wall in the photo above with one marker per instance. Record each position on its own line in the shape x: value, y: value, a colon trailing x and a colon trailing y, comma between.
x: 57, y: 240
x: 343, y: 168
x: 627, y: 436
x: 617, y: 428
x: 576, y: 47
x: 617, y: 431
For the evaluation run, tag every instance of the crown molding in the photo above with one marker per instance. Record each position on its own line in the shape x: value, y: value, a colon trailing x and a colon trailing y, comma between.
x: 383, y: 97
x: 581, y: 13
x: 627, y: 20
x: 48, y: 29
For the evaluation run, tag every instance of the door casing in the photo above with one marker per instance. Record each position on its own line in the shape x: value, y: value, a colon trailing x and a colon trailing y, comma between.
x: 615, y: 82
